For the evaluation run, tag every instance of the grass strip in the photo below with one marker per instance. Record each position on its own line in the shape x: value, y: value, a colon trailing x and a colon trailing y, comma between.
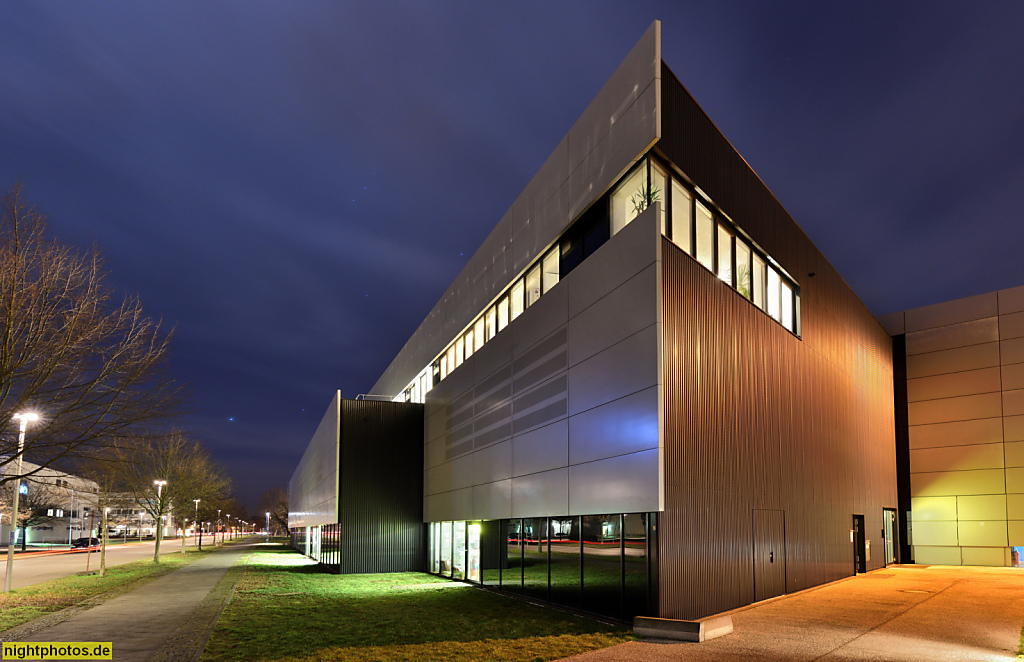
x: 31, y: 602
x: 284, y: 608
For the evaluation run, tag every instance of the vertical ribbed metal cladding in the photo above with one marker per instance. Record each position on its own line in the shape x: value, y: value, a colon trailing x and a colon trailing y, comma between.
x: 899, y: 389
x: 381, y: 511
x: 757, y: 418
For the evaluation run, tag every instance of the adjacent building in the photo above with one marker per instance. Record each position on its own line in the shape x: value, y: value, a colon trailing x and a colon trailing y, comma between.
x: 959, y: 388
x: 647, y: 392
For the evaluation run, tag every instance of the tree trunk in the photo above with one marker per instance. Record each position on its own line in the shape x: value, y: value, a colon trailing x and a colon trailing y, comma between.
x: 159, y: 534
x: 24, y: 538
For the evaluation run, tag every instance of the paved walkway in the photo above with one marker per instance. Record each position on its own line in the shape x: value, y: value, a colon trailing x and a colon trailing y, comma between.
x: 932, y: 613
x: 143, y: 624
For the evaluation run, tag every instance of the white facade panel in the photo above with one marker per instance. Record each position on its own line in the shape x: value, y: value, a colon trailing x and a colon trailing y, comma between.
x: 313, y: 489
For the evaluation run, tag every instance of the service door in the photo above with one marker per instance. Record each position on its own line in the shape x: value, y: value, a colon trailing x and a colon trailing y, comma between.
x: 860, y: 563
x: 769, y: 553
x: 889, y: 530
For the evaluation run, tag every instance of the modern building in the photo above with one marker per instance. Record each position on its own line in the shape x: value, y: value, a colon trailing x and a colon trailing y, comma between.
x: 55, y: 506
x: 959, y: 390
x: 647, y: 392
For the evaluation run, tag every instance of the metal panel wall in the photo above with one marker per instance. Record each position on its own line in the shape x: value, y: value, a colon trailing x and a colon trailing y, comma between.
x: 313, y: 488
x: 756, y: 418
x: 381, y: 494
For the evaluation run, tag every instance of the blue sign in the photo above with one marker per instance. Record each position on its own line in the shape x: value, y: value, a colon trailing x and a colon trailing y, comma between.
x: 23, y: 488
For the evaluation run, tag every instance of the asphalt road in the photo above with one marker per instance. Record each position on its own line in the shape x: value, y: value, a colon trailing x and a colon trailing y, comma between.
x: 33, y: 568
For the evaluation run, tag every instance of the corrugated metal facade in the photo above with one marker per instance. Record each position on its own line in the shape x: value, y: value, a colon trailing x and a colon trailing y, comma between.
x: 380, y: 505
x: 755, y: 417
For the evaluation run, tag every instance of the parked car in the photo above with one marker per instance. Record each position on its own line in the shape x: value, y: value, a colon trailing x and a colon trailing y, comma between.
x: 85, y: 542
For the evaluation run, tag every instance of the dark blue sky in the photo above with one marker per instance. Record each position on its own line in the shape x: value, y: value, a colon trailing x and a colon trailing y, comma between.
x: 294, y: 184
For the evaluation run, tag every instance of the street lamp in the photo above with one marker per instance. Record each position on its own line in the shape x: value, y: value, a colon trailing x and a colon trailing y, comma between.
x: 228, y: 515
x: 198, y: 525
x: 218, y: 529
x: 24, y: 419
x: 268, y: 523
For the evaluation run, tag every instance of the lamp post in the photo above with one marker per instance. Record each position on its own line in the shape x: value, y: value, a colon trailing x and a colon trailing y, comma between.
x: 218, y: 528
x: 159, y: 519
x: 198, y: 525
x: 268, y: 523
x: 24, y: 420
x: 228, y: 515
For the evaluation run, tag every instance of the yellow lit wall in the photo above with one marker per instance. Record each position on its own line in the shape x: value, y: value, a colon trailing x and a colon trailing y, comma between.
x: 965, y: 392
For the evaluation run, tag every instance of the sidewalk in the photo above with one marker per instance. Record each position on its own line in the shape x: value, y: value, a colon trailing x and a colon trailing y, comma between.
x: 145, y: 623
x: 905, y: 613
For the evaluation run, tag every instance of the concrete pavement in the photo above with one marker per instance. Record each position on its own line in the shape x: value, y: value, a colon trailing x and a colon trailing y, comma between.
x: 142, y: 624
x: 904, y: 613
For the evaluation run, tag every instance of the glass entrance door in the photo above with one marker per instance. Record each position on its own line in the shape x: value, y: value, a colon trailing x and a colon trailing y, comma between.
x: 889, y: 531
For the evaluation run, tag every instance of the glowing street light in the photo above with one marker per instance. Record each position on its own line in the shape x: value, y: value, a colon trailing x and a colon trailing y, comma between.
x: 268, y: 523
x: 24, y: 419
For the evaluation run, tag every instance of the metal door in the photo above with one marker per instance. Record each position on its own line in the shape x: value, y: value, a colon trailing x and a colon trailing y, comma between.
x: 860, y: 563
x: 769, y: 553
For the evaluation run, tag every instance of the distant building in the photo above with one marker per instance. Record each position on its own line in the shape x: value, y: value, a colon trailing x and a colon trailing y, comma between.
x: 647, y: 392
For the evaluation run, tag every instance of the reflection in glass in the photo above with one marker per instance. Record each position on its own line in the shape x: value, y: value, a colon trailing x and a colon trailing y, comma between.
x: 602, y: 564
x: 629, y: 198
x: 758, y: 281
x: 446, y: 549
x: 435, y: 547
x: 473, y: 552
x: 532, y: 285
x: 512, y: 572
x: 550, y: 276
x: 682, y: 215
x: 565, y: 561
x: 492, y: 551
x: 458, y: 550
x: 725, y: 253
x: 634, y: 535
x: 535, y: 557
x: 516, y: 300
x: 705, y: 237
x: 742, y: 267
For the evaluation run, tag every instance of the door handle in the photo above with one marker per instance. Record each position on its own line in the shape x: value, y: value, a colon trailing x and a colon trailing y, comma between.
x: 771, y: 557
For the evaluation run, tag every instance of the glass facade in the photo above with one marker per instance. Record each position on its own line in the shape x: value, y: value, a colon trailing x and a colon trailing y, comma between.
x: 687, y: 218
x: 597, y: 563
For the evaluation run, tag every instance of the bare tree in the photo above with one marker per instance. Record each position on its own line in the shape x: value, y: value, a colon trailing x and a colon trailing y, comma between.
x: 275, y: 502
x: 85, y: 359
x: 184, y: 467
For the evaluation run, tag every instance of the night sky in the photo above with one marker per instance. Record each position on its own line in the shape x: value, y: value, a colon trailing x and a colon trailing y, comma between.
x: 293, y: 185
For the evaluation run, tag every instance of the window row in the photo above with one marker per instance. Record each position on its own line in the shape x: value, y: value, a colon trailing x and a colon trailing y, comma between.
x: 598, y: 563
x: 686, y: 220
x: 708, y: 238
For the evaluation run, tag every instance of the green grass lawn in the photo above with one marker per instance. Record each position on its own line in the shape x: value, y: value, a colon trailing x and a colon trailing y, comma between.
x: 25, y: 604
x: 283, y: 608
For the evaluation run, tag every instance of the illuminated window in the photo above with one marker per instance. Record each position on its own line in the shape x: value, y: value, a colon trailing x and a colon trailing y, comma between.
x: 724, y: 253
x: 516, y: 300
x: 478, y: 334
x: 458, y: 352
x: 502, y: 312
x: 550, y: 265
x: 742, y: 268
x: 467, y: 343
x: 787, y: 305
x: 774, y: 285
x: 532, y: 286
x: 682, y: 217
x: 705, y: 237
x: 491, y: 322
x: 658, y: 191
x: 758, y: 281
x: 629, y: 198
